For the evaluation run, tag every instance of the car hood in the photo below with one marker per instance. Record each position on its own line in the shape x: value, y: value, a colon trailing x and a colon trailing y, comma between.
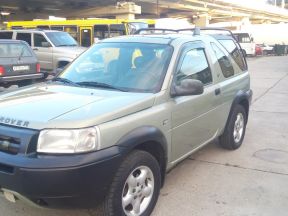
x: 62, y: 106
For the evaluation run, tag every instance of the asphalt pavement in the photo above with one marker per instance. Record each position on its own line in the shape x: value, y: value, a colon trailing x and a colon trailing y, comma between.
x: 251, y: 181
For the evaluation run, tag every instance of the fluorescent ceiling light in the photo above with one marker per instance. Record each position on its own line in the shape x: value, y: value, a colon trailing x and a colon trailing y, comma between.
x: 5, y: 13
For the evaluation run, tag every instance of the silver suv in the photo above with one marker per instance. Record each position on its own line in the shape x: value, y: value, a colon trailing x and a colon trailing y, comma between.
x: 54, y: 49
x: 106, y: 130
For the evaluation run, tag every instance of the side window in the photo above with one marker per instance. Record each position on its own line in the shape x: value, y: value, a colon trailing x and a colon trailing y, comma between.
x: 195, y: 66
x: 6, y: 35
x: 44, y: 27
x: 24, y: 36
x: 224, y: 62
x: 40, y: 40
x: 101, y: 31
x: 236, y: 54
x: 117, y: 30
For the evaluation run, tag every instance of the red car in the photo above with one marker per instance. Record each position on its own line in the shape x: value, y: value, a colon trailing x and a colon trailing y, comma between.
x: 258, y: 50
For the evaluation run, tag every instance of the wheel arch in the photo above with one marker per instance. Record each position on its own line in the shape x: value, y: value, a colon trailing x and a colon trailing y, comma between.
x: 62, y: 63
x: 149, y: 139
x: 242, y: 98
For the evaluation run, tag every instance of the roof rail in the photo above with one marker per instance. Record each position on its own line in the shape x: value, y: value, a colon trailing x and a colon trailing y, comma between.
x: 195, y: 31
x: 200, y: 29
x: 155, y: 30
x: 27, y: 29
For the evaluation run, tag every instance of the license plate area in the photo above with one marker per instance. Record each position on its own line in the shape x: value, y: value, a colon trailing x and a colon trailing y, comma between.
x: 21, y: 68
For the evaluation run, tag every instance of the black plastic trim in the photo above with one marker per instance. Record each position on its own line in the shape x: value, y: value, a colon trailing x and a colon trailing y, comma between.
x: 240, y: 96
x: 142, y: 135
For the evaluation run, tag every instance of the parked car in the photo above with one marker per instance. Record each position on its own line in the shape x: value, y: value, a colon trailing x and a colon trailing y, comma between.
x: 18, y: 64
x: 258, y: 50
x: 105, y: 135
x: 54, y: 49
x: 266, y: 49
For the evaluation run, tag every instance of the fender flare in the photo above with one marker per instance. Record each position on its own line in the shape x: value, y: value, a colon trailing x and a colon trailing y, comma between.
x: 61, y: 59
x: 142, y: 135
x: 239, y: 98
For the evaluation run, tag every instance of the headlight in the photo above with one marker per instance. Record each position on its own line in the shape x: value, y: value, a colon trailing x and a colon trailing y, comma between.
x: 68, y: 141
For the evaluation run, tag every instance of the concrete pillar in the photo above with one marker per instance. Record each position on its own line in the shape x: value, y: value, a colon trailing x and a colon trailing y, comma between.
x: 125, y: 16
x: 283, y: 4
x: 245, y: 21
x: 127, y: 10
x: 202, y: 20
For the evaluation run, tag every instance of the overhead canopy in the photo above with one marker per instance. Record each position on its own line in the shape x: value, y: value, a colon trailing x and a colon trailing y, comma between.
x: 214, y: 10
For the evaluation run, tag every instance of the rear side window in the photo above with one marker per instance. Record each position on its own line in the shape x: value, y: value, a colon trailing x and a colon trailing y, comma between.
x: 24, y: 36
x: 117, y: 30
x: 6, y: 35
x: 195, y: 66
x: 223, y: 60
x: 101, y: 31
x: 236, y: 54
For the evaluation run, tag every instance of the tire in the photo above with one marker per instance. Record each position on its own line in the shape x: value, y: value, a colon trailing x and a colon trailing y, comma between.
x: 25, y: 83
x: 45, y: 75
x: 233, y: 136
x: 137, y: 163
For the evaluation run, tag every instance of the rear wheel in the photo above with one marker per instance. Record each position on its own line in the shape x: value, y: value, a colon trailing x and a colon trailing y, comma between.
x: 135, y: 188
x: 234, y: 133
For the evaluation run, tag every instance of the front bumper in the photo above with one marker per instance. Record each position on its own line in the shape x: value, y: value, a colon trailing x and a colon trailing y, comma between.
x: 60, y: 180
x: 21, y: 77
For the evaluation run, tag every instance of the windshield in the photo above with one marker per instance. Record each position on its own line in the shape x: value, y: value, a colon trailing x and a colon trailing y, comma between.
x: 137, y: 67
x: 242, y: 37
x: 61, y: 39
x: 10, y: 50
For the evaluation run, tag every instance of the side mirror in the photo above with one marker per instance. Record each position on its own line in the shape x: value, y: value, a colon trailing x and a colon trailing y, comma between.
x: 45, y: 44
x: 187, y: 87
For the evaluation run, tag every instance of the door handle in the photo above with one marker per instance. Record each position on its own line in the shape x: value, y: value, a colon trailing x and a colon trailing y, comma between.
x: 217, y: 91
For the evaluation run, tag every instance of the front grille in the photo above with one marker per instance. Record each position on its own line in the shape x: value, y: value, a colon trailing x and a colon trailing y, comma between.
x: 15, y: 140
x: 10, y: 145
x: 6, y: 169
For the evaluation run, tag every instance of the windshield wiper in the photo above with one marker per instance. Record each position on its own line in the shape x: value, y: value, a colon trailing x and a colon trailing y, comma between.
x: 64, y: 80
x: 101, y: 85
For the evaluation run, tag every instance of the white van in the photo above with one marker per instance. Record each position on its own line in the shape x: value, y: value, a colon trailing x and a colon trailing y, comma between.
x: 246, y: 42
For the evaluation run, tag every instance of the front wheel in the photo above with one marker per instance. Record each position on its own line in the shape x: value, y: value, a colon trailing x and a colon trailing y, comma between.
x: 234, y: 133
x: 136, y: 186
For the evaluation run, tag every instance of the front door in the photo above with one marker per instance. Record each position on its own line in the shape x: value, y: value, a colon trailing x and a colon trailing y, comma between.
x: 86, y: 36
x: 44, y: 51
x: 193, y: 117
